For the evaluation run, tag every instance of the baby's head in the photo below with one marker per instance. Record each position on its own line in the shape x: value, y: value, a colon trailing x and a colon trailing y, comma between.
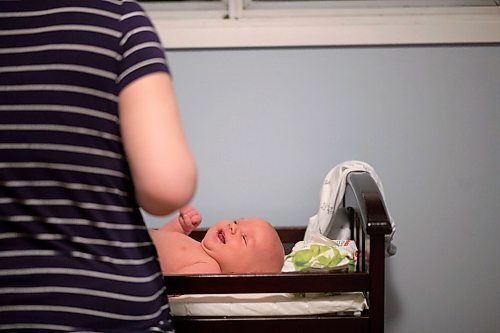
x: 247, y: 245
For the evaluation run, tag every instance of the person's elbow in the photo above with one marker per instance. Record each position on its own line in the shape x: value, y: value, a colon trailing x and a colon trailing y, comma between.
x: 163, y: 195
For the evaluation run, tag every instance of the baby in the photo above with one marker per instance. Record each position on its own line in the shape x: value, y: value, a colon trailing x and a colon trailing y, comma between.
x: 246, y: 245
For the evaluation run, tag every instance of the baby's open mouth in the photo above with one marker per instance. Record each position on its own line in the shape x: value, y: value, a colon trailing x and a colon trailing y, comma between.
x: 220, y: 234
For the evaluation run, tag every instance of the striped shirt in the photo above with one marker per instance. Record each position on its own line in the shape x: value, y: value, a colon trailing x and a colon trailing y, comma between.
x: 75, y: 255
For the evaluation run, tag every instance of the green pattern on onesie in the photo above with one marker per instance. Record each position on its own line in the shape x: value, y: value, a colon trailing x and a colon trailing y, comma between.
x: 320, y: 256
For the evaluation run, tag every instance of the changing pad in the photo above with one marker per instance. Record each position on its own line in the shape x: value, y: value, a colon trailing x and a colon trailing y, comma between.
x: 283, y: 304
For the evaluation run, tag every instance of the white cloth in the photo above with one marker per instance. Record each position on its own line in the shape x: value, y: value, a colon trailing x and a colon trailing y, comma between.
x: 332, y: 193
x: 283, y: 304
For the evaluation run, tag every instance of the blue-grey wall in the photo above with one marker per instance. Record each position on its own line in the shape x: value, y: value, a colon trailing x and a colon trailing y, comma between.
x: 267, y: 125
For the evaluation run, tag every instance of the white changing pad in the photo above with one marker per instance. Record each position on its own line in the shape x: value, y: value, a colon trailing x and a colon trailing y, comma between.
x: 284, y: 304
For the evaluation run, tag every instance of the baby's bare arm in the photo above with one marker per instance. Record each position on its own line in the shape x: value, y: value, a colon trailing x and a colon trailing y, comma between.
x: 188, y: 219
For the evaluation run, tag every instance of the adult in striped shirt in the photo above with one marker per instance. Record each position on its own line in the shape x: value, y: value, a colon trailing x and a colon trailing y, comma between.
x: 89, y: 133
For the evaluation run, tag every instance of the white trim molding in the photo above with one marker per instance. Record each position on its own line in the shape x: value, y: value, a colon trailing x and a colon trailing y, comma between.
x: 229, y: 24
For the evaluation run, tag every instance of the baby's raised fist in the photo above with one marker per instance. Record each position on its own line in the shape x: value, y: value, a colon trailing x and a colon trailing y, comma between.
x: 189, y: 219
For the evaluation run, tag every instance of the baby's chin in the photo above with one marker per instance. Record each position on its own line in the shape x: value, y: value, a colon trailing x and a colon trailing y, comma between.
x: 203, y: 244
x: 209, y: 246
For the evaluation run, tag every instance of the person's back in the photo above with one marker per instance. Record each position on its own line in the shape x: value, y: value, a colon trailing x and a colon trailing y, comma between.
x: 75, y: 254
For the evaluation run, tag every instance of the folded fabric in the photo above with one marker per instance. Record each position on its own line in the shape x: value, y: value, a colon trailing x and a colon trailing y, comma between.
x: 321, y: 253
x: 280, y: 304
x: 332, y: 193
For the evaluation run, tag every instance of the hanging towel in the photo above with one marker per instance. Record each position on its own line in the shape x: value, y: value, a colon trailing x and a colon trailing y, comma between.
x: 328, y: 221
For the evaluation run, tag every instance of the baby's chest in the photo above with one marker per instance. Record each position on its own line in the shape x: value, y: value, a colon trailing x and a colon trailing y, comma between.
x: 183, y: 251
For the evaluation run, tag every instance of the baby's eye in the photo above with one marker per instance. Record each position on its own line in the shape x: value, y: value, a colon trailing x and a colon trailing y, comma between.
x: 245, y: 240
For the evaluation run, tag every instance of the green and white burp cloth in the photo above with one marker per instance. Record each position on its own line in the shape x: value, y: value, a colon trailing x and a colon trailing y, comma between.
x: 321, y: 253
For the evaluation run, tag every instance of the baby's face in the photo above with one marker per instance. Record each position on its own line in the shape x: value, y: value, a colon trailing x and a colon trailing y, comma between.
x: 247, y: 245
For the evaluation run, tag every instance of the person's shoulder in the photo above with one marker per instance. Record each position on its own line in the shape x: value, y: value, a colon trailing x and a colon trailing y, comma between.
x: 130, y: 6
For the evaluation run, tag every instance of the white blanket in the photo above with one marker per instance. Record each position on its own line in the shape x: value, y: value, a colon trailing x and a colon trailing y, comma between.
x: 332, y: 193
x: 266, y: 304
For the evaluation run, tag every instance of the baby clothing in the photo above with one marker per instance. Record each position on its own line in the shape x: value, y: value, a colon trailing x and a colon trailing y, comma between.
x: 329, y: 219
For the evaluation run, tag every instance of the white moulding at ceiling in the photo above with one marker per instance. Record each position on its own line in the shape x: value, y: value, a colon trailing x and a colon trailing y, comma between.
x: 214, y: 28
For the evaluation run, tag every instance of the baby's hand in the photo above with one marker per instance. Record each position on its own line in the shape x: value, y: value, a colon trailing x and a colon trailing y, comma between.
x: 189, y: 219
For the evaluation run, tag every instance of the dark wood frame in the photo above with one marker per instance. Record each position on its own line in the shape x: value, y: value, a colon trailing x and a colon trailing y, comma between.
x: 369, y: 225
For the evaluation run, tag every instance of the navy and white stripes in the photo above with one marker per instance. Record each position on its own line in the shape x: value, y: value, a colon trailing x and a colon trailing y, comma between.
x: 75, y: 254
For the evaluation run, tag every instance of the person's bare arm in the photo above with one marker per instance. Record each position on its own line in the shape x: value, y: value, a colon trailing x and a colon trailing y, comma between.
x: 162, y: 167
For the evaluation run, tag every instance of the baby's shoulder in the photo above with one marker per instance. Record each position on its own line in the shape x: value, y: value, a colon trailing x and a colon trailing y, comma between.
x: 187, y: 256
x: 170, y: 235
x: 202, y: 266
